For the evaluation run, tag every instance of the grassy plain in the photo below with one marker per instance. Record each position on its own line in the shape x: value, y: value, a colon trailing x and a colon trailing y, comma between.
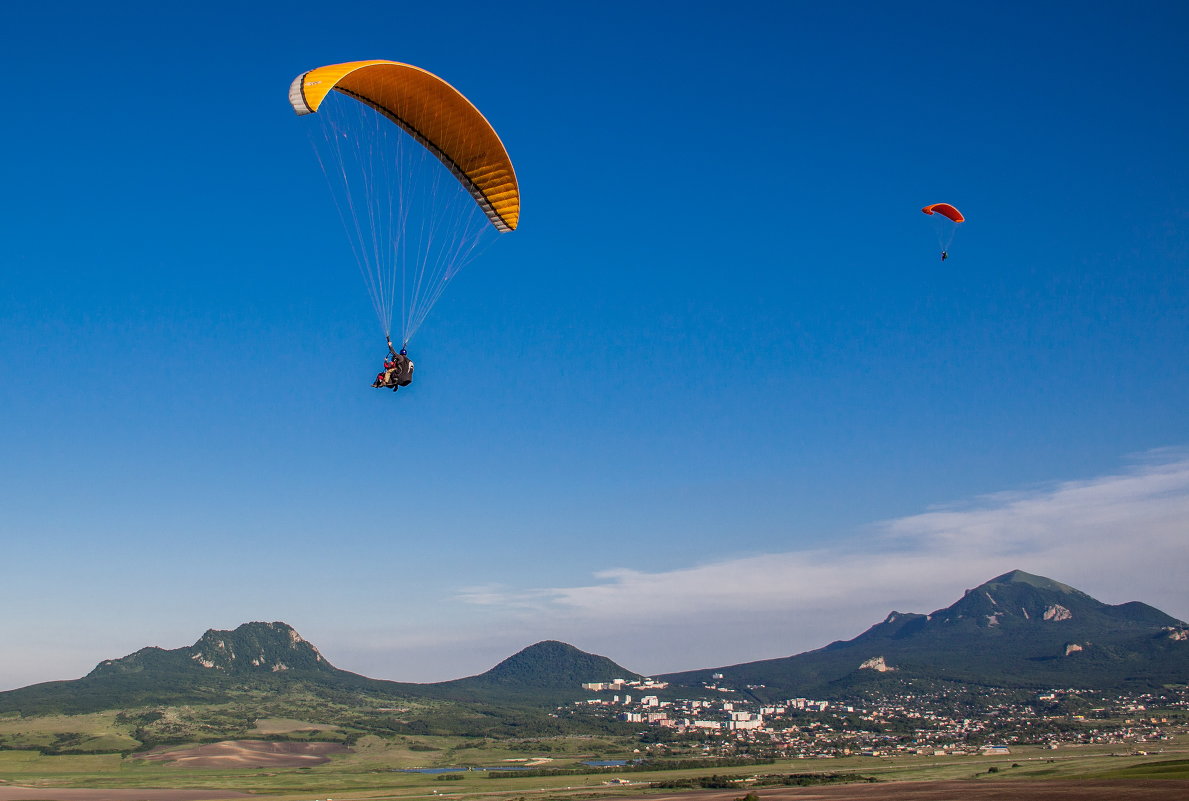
x: 96, y: 732
x: 369, y: 770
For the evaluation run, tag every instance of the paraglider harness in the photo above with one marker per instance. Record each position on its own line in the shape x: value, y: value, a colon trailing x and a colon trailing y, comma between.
x: 398, y: 370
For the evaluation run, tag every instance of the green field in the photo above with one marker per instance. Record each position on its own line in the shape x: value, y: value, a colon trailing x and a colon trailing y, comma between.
x: 368, y: 771
x: 1159, y: 769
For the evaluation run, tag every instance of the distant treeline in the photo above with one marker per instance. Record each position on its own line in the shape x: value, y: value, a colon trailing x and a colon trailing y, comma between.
x: 638, y: 767
x: 767, y: 780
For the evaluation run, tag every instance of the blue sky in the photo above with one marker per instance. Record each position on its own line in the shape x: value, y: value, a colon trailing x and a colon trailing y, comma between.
x: 720, y: 354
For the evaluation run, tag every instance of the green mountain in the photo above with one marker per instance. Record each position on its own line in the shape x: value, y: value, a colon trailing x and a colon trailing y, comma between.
x: 254, y: 658
x: 1016, y: 630
x: 550, y: 668
x: 253, y: 648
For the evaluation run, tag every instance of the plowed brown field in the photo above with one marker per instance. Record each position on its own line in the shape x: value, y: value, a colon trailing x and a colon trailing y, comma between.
x: 247, y: 754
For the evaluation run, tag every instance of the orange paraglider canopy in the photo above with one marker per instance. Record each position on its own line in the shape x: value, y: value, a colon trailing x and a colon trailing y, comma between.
x: 436, y: 115
x: 945, y: 210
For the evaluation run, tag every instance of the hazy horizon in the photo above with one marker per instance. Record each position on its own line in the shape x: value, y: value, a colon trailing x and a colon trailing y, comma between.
x: 926, y: 562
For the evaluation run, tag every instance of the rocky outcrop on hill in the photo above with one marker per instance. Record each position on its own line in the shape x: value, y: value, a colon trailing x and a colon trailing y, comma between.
x: 250, y: 648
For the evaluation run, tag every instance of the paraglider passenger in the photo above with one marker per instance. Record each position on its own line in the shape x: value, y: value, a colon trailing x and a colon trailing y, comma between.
x: 944, y: 255
x: 398, y: 370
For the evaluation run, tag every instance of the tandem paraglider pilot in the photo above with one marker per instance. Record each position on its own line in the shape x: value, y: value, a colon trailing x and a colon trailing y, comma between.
x: 398, y: 370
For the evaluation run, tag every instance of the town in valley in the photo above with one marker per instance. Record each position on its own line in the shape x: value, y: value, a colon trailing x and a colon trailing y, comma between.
x: 935, y: 720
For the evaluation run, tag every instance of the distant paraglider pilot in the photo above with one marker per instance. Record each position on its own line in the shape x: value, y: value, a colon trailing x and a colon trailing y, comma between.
x: 945, y: 230
x: 398, y: 370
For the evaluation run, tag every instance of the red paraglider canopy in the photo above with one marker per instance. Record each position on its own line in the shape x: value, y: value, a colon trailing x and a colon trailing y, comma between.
x: 945, y: 210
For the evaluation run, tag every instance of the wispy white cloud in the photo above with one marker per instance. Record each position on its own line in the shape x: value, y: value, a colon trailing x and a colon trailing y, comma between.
x: 1118, y: 537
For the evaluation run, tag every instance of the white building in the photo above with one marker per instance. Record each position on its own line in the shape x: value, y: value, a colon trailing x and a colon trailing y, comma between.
x: 744, y: 725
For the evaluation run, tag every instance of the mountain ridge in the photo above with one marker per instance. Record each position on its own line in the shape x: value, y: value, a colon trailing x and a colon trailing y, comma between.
x: 1017, y: 629
x: 272, y: 656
